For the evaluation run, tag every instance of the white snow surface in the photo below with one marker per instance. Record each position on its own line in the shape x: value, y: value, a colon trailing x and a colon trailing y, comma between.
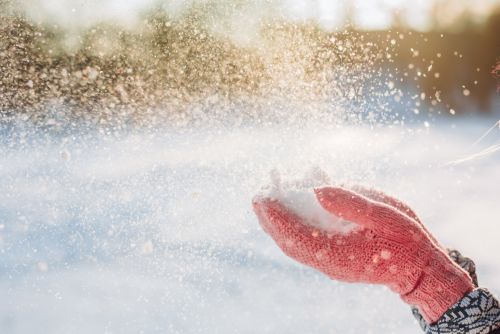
x: 299, y: 197
x: 153, y: 232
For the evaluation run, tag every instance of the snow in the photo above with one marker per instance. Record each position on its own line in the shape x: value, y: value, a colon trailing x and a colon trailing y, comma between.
x: 153, y: 231
x: 385, y: 254
x: 299, y: 197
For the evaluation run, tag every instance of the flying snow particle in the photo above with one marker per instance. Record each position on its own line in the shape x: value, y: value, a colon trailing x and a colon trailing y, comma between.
x: 147, y: 247
x: 385, y: 254
x: 65, y: 155
x: 321, y: 254
x: 438, y: 96
x: 43, y: 266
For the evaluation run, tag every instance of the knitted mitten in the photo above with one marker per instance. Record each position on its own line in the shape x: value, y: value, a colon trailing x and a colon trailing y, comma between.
x: 390, y: 246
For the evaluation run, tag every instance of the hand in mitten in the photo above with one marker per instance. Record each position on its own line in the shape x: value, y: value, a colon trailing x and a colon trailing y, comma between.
x: 389, y: 246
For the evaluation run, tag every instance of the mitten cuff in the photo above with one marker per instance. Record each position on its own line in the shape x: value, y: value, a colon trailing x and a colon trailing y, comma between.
x: 441, y: 285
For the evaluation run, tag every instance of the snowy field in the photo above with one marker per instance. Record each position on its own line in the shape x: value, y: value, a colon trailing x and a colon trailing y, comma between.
x: 153, y: 232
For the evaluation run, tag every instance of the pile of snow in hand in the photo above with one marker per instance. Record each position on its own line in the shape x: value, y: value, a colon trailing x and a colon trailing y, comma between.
x: 299, y: 197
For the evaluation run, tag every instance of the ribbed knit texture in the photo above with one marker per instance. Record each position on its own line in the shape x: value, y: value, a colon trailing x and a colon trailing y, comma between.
x: 390, y: 247
x: 478, y: 312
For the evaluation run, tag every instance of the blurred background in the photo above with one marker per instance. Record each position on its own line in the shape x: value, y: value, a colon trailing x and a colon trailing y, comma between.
x: 136, y: 58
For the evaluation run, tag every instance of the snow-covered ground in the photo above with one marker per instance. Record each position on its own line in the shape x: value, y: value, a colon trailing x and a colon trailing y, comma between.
x: 153, y: 232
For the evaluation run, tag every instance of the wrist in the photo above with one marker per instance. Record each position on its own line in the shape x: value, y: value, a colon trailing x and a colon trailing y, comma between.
x: 441, y: 285
x: 478, y: 312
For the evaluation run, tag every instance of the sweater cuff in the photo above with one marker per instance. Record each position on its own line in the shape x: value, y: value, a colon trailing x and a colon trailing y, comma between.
x: 478, y: 312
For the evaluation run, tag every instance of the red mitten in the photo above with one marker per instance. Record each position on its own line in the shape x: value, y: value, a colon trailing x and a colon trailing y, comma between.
x: 390, y: 247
